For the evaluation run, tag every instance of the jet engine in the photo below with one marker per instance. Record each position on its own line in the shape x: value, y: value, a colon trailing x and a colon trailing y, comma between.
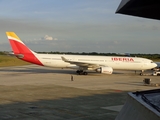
x: 105, y: 70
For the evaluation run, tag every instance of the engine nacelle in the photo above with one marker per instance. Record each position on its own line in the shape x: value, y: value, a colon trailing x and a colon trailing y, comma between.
x: 105, y: 70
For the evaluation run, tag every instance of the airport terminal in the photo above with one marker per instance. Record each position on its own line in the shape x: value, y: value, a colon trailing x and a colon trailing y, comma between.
x: 144, y: 104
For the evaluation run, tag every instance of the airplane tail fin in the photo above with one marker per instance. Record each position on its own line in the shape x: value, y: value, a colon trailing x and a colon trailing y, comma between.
x: 20, y: 50
x: 17, y: 45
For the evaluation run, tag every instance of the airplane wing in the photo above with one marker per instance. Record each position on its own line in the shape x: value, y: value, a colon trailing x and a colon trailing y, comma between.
x: 82, y: 64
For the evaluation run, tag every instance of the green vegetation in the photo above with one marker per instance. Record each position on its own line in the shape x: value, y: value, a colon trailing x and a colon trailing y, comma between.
x: 2, y: 53
x: 6, y: 60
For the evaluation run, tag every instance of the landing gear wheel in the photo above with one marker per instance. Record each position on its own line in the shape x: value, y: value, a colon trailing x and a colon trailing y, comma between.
x: 81, y: 72
x: 141, y: 74
x: 85, y: 73
x: 77, y: 71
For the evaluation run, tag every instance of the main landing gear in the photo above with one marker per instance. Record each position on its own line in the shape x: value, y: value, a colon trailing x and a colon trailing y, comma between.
x: 142, y: 72
x: 81, y: 72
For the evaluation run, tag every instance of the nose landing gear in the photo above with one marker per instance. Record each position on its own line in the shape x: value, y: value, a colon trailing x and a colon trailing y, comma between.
x: 142, y: 73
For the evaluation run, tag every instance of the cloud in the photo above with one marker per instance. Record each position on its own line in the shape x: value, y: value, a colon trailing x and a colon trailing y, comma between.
x: 47, y: 37
x: 55, y: 38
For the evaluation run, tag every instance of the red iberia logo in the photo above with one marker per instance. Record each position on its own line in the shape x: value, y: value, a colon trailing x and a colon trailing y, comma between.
x: 123, y: 59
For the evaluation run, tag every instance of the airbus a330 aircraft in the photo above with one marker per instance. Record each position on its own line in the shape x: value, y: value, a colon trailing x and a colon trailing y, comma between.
x: 82, y: 63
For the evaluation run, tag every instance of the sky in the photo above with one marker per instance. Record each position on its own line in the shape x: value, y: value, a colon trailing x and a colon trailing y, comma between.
x: 77, y: 26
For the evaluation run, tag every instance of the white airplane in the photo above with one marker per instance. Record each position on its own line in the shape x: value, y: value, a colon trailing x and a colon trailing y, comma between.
x: 82, y: 63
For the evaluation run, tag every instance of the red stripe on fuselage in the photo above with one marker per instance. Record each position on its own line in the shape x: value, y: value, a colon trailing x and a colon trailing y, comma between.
x: 19, y: 48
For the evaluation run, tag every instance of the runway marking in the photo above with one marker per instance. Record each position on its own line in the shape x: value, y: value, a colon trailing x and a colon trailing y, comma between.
x: 113, y: 108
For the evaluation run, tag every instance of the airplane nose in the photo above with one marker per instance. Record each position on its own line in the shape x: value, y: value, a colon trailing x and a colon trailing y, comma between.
x: 154, y: 65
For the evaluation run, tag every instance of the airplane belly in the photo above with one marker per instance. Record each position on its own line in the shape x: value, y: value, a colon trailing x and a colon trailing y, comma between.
x: 134, y: 66
x: 51, y: 63
x: 127, y: 66
x: 61, y: 64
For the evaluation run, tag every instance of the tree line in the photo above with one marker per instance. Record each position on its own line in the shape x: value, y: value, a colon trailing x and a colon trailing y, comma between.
x: 149, y: 56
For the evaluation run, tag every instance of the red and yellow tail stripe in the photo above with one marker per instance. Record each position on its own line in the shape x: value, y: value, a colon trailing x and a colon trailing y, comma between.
x: 19, y: 47
x: 12, y: 35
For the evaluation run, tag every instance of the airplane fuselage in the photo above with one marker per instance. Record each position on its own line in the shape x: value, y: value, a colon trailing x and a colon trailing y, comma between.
x: 121, y: 63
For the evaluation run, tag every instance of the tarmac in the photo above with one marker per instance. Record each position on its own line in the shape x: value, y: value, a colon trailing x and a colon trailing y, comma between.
x: 41, y: 93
